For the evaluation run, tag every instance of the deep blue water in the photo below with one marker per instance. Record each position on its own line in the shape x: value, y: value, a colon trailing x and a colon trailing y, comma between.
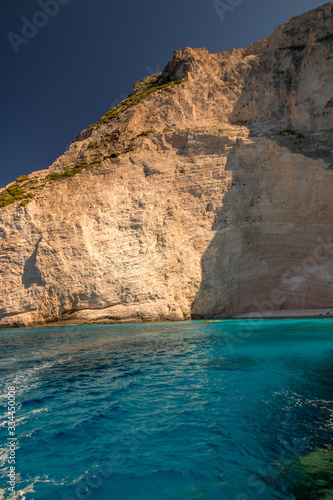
x: 189, y: 410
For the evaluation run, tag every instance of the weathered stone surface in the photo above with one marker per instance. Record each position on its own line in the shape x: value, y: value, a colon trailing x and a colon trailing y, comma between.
x: 222, y: 207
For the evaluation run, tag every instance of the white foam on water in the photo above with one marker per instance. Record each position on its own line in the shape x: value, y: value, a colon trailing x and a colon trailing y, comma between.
x: 21, y: 494
x: 3, y: 457
x: 29, y: 378
x: 30, y: 488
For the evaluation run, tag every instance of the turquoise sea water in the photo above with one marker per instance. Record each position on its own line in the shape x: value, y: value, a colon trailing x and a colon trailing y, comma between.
x: 195, y: 410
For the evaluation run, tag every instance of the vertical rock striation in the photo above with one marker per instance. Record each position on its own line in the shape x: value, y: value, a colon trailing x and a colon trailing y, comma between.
x: 207, y: 193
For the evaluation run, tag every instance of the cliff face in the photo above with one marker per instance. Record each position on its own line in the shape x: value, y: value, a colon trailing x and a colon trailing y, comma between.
x: 208, y: 193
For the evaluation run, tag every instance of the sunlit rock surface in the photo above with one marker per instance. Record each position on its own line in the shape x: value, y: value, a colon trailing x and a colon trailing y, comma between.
x: 219, y: 203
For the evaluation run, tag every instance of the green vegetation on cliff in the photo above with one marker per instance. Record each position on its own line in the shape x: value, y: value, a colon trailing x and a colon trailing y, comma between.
x: 13, y: 193
x: 131, y: 101
x: 19, y: 190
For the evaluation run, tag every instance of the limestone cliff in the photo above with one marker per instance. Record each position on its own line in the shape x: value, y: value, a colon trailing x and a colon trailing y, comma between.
x: 207, y: 193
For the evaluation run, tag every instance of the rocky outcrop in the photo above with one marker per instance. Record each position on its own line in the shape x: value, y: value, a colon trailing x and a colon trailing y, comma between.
x: 208, y: 193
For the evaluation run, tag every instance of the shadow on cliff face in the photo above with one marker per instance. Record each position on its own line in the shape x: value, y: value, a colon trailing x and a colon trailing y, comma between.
x: 270, y: 248
x: 225, y: 270
x: 31, y: 273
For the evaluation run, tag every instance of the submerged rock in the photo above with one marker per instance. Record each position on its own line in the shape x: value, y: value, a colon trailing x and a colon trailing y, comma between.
x: 314, y: 473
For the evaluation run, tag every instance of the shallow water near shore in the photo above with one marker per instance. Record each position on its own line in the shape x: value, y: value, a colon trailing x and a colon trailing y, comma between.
x: 193, y: 410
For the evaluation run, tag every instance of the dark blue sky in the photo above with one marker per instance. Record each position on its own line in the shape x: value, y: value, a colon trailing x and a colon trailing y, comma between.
x: 87, y: 56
